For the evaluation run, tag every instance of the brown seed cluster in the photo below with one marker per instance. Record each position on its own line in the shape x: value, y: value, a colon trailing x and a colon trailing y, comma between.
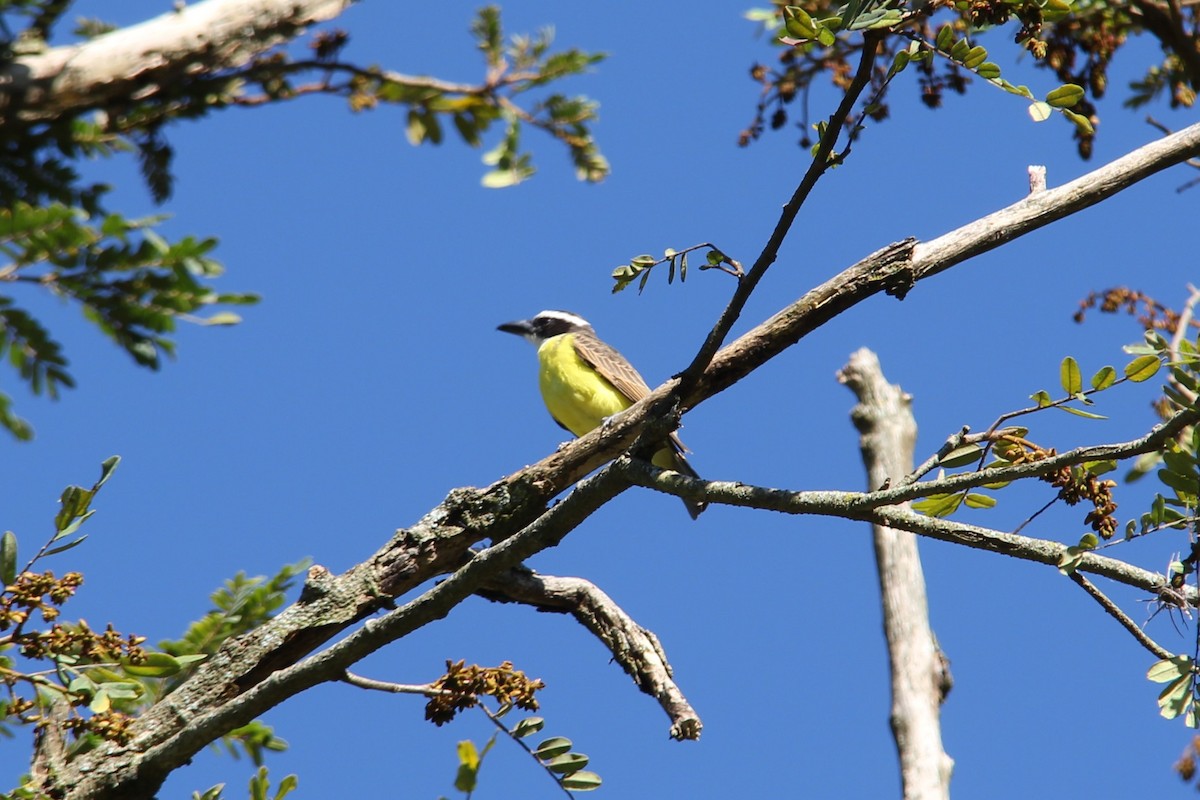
x: 1149, y: 313
x: 72, y: 643
x: 1074, y: 483
x: 1186, y: 765
x: 462, y: 686
x: 112, y: 726
x: 36, y: 592
x: 81, y: 642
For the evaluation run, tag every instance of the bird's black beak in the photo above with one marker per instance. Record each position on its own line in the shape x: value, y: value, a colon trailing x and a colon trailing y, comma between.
x: 521, y: 327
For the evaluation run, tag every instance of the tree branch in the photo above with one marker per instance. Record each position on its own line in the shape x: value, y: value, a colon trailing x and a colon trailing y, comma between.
x: 1120, y: 616
x: 898, y: 267
x: 920, y: 679
x: 635, y: 648
x: 147, y: 58
x: 223, y: 696
x: 866, y: 507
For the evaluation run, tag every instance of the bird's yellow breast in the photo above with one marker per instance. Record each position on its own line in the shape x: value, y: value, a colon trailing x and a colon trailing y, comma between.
x: 575, y: 394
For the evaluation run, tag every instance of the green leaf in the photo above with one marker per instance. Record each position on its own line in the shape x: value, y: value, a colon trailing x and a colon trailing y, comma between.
x: 798, y: 23
x: 107, y: 467
x: 1170, y: 669
x: 1176, y: 698
x: 1081, y: 413
x: 1081, y: 122
x: 286, y: 786
x: 500, y: 179
x: 1070, y: 559
x: 1187, y: 485
x: 1103, y: 379
x: 1054, y: 10
x: 581, y: 782
x: 974, y: 500
x: 553, y: 747
x: 898, y: 63
x: 223, y: 318
x: 974, y: 57
x: 1042, y: 398
x: 416, y: 130
x: 63, y: 548
x: 1065, y: 96
x: 567, y: 763
x: 1039, y: 111
x: 100, y: 702
x: 988, y: 71
x: 938, y: 505
x: 1070, y: 377
x: 528, y: 726
x: 944, y: 38
x: 1089, y: 541
x: 1142, y: 368
x: 961, y: 456
x: 156, y: 665
x: 468, y: 766
x: 8, y: 558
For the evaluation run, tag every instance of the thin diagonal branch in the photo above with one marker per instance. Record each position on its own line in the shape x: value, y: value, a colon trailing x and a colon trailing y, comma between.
x: 1120, y: 616
x: 820, y: 164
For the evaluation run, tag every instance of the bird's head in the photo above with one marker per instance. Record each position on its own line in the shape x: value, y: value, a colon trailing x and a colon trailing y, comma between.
x: 545, y: 325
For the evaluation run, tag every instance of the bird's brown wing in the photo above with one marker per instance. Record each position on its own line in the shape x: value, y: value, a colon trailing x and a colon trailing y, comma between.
x: 611, y: 365
x: 617, y: 370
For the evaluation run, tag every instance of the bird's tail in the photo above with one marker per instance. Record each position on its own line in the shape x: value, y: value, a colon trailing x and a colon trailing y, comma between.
x: 672, y: 458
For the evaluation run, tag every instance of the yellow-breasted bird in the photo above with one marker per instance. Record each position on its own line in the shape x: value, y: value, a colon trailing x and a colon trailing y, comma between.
x: 585, y: 381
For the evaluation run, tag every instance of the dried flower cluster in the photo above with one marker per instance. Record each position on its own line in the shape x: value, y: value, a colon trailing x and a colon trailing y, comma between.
x: 1074, y: 483
x: 462, y: 686
x: 1149, y: 313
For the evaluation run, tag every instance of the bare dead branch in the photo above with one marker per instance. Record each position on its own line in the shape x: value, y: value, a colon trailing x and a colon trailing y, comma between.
x: 887, y: 438
x: 635, y: 648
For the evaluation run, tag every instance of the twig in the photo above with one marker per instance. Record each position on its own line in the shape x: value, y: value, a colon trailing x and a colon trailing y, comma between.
x: 821, y: 162
x: 426, y: 689
x: 952, y: 442
x: 1120, y: 616
x: 496, y: 721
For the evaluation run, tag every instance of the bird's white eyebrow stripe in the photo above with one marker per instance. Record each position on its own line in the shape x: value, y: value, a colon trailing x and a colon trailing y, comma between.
x: 564, y: 316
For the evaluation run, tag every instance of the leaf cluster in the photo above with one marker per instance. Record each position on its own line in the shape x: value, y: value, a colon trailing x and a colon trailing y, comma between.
x: 555, y: 755
x: 514, y: 67
x: 676, y: 261
x: 1075, y: 40
x: 105, y: 678
x: 260, y: 788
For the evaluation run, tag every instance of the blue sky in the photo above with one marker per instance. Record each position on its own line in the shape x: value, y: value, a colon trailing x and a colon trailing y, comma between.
x: 371, y: 380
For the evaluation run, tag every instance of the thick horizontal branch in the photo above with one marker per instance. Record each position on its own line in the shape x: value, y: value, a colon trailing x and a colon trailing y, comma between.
x: 218, y: 699
x: 897, y: 268
x: 635, y: 648
x: 140, y: 60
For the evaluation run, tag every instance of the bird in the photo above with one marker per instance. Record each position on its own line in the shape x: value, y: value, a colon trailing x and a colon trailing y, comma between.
x: 584, y: 381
